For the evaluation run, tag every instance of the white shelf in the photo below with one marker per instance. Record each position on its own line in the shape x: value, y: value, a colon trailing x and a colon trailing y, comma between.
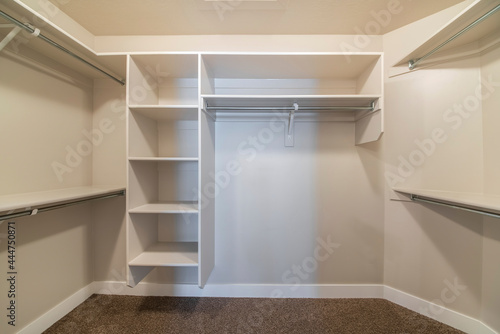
x: 289, y: 66
x: 175, y: 207
x: 168, y: 254
x: 168, y: 112
x: 482, y: 202
x: 288, y: 100
x: 43, y: 198
x: 479, y: 38
x: 162, y: 159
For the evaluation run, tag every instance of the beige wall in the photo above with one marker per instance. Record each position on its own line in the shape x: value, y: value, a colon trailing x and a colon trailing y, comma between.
x: 43, y: 115
x: 490, y: 66
x: 109, y: 168
x: 44, y: 110
x: 428, y: 247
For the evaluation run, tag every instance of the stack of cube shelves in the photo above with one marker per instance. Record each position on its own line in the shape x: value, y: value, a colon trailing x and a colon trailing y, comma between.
x: 174, y: 100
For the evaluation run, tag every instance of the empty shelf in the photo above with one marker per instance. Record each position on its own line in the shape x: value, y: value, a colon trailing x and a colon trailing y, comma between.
x: 482, y: 203
x: 168, y: 112
x: 168, y: 254
x: 175, y: 207
x: 44, y: 198
x: 162, y: 159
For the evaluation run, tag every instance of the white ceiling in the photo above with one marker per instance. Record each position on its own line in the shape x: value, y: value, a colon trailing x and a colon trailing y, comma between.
x: 242, y: 17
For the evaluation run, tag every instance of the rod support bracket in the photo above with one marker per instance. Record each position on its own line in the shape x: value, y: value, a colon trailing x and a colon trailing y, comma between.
x: 10, y: 36
x: 289, y: 142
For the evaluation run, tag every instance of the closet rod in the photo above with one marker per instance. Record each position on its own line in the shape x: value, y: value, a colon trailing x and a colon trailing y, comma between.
x: 59, y: 206
x: 417, y: 198
x: 36, y: 32
x: 370, y: 108
x: 414, y: 62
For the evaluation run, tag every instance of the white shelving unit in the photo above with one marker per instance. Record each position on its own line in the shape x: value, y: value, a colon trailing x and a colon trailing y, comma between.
x: 163, y: 163
x: 174, y: 101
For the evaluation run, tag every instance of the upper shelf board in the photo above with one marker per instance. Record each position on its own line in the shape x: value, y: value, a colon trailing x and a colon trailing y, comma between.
x: 168, y: 254
x: 488, y: 27
x: 168, y: 113
x: 43, y: 198
x: 290, y: 66
x: 483, y: 202
x: 278, y: 101
x: 174, y: 207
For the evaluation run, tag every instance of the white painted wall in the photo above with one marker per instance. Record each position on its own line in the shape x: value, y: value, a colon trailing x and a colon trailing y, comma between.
x: 428, y: 247
x: 490, y: 66
x: 270, y: 216
x: 44, y: 110
x: 109, y: 168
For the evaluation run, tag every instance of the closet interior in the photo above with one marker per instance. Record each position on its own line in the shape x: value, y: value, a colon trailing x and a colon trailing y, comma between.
x: 225, y: 170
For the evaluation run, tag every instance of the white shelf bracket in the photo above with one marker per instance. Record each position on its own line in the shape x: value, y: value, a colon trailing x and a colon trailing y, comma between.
x: 289, y: 142
x: 10, y: 36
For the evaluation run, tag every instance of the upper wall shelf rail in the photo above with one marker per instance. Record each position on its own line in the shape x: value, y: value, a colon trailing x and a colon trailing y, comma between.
x: 417, y: 198
x: 485, y: 204
x: 85, y: 197
x: 36, y: 32
x: 412, y: 64
x: 292, y: 108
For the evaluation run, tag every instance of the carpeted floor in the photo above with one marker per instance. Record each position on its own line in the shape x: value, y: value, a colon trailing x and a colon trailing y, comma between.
x: 127, y: 314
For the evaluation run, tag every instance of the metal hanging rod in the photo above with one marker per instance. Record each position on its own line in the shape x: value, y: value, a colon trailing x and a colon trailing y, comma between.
x: 417, y: 198
x: 33, y: 212
x: 414, y: 62
x: 292, y: 108
x: 36, y: 32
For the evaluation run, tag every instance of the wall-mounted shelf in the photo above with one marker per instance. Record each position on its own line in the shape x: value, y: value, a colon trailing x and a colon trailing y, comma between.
x: 479, y: 203
x: 51, y: 197
x: 172, y: 207
x: 168, y: 254
x: 163, y: 159
x: 114, y: 64
x: 168, y: 112
x: 479, y: 38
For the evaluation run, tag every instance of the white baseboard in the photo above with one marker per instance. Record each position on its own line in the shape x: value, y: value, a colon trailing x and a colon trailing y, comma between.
x: 57, y: 312
x: 437, y: 312
x: 243, y: 290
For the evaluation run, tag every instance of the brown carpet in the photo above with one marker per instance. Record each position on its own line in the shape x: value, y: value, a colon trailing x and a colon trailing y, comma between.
x: 127, y: 314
